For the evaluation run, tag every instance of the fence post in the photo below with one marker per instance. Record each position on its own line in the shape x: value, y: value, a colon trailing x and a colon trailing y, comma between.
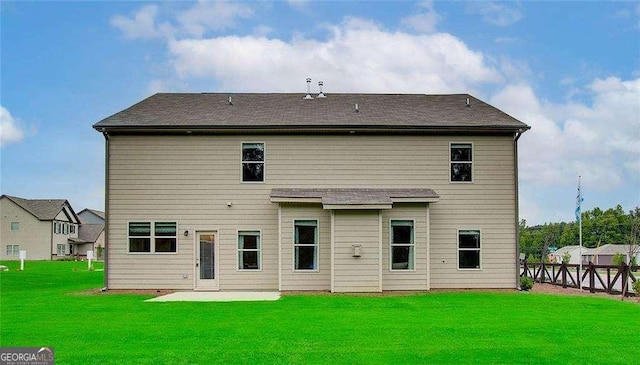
x: 625, y: 279
x: 591, y: 269
x: 563, y: 268
x: 542, y: 272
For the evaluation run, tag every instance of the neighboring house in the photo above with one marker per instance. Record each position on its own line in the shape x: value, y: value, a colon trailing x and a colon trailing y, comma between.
x: 343, y: 193
x: 91, y: 216
x: 41, y: 227
x: 90, y: 237
x: 573, y: 250
x: 603, y: 255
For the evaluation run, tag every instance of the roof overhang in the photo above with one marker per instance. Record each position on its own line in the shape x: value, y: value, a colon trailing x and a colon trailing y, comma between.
x: 354, y: 198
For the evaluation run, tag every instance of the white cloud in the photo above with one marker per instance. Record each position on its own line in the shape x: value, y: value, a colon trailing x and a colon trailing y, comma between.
x: 599, y: 139
x: 358, y: 56
x: 425, y: 19
x: 10, y: 130
x: 214, y: 15
x: 501, y: 14
x: 142, y: 25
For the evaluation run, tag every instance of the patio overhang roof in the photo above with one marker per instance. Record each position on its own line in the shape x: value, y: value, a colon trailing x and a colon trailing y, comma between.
x: 354, y: 198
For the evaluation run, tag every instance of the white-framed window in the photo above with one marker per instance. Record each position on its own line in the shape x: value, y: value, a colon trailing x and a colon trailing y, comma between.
x: 305, y: 245
x: 61, y: 249
x: 402, y: 244
x: 65, y: 228
x: 249, y: 250
x: 72, y: 228
x: 15, y: 226
x: 163, y: 238
x: 253, y: 162
x: 461, y: 162
x: 56, y: 227
x: 13, y: 250
x: 469, y: 249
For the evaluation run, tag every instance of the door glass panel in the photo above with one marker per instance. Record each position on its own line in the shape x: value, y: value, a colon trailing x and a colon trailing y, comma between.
x: 207, y: 259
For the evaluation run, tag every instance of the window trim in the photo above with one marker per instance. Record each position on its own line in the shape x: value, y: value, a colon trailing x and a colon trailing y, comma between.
x: 391, y: 244
x: 316, y: 245
x: 264, y: 163
x: 458, y: 249
x: 152, y: 236
x: 16, y: 225
x: 258, y: 250
x: 56, y: 227
x: 64, y: 249
x: 473, y: 173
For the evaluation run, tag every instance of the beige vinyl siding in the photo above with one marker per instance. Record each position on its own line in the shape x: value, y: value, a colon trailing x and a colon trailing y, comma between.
x: 33, y: 236
x: 190, y: 179
x: 356, y: 274
x: 297, y: 280
x: 410, y: 279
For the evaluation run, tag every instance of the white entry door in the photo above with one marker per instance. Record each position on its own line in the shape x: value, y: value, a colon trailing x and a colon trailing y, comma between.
x: 206, y: 261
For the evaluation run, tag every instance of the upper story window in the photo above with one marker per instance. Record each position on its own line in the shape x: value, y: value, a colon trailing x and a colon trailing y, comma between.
x: 461, y: 161
x: 305, y: 245
x: 65, y: 228
x: 56, y: 227
x: 162, y: 239
x: 253, y: 162
x: 469, y: 249
x: 72, y: 228
x: 249, y: 248
x: 15, y: 226
x: 402, y: 245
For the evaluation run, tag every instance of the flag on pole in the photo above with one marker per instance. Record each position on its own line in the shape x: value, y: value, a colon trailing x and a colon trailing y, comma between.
x: 579, y: 199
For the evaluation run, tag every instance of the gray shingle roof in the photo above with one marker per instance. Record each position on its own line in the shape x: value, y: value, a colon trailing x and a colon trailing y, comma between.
x: 43, y: 209
x: 97, y: 213
x: 355, y: 196
x: 90, y: 232
x: 211, y: 111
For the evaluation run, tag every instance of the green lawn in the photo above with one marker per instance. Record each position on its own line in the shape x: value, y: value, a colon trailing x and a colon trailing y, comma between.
x: 47, y: 305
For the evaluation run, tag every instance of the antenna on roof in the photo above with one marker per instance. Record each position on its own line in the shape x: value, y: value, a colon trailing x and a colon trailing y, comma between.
x: 308, y: 96
x: 468, y: 103
x: 321, y: 94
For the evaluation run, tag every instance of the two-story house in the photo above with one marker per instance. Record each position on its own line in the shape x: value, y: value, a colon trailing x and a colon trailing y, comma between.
x: 339, y: 192
x: 44, y: 228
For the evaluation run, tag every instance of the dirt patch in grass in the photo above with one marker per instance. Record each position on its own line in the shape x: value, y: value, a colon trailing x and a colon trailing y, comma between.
x: 559, y: 290
x: 152, y: 292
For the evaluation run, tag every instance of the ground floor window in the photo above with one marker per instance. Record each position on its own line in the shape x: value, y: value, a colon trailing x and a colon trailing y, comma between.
x: 305, y: 245
x: 13, y: 250
x: 249, y: 249
x: 163, y: 238
x: 61, y: 249
x: 469, y: 249
x: 402, y: 245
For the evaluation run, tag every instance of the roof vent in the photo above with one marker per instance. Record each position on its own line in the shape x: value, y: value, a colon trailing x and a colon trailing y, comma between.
x: 308, y: 96
x: 468, y: 103
x: 321, y: 94
x: 230, y: 102
x: 356, y: 110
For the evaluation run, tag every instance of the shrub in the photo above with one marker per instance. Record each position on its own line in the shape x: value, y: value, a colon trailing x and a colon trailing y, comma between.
x: 618, y: 259
x: 636, y: 287
x: 526, y: 283
x: 566, y: 257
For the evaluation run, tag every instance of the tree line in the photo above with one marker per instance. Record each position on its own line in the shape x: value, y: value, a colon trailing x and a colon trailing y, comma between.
x: 599, y: 227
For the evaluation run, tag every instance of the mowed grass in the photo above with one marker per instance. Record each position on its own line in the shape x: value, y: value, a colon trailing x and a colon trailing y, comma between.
x: 48, y: 304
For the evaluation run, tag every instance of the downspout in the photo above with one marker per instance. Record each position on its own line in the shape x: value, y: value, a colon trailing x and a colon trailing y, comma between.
x: 106, y: 209
x: 517, y: 205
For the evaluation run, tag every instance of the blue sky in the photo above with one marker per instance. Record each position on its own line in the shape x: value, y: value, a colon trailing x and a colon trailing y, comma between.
x: 570, y: 70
